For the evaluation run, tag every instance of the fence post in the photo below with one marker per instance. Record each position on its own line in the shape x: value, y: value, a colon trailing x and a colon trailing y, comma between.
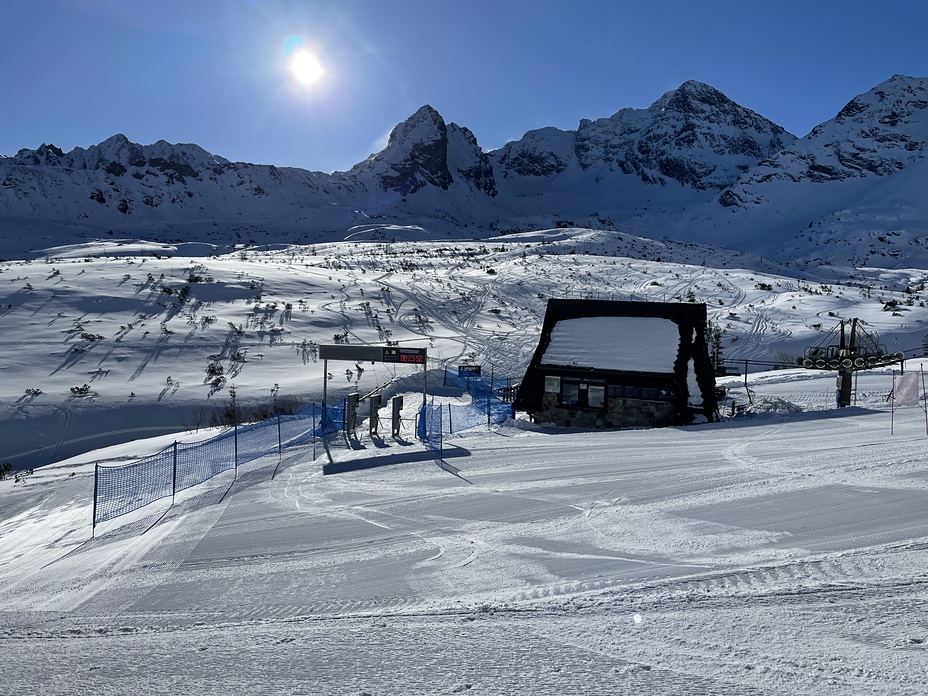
x: 174, y: 477
x: 96, y: 483
x: 235, y: 436
x: 746, y: 388
x: 280, y: 442
x: 489, y: 394
x: 924, y: 396
x: 892, y: 407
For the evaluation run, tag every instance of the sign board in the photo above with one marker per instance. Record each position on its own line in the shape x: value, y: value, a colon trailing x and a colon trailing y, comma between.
x: 468, y: 370
x: 391, y: 354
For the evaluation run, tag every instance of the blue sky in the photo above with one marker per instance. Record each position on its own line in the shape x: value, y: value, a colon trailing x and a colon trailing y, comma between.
x: 215, y: 72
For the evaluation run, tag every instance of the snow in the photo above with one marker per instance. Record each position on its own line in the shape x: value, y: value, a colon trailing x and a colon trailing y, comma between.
x: 773, y: 553
x: 632, y: 344
x: 437, y: 295
x: 692, y: 166
x: 782, y: 550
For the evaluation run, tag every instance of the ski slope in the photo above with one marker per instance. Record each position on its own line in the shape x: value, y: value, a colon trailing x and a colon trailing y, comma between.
x: 779, y: 551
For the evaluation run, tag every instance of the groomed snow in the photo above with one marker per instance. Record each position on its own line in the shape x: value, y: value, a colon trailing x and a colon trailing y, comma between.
x: 781, y: 551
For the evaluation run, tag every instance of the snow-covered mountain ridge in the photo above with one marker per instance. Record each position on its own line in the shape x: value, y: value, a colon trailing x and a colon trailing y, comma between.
x: 693, y: 166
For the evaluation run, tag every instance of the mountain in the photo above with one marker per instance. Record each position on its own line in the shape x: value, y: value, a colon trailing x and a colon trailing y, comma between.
x: 694, y: 166
x: 865, y: 166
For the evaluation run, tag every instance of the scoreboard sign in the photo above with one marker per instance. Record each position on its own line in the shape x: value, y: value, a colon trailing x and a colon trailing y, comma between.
x: 413, y: 356
x: 391, y: 354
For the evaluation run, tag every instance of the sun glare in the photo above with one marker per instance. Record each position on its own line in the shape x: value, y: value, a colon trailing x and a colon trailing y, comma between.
x: 305, y: 67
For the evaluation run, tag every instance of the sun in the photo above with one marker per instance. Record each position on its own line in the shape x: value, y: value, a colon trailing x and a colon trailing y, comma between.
x: 306, y: 68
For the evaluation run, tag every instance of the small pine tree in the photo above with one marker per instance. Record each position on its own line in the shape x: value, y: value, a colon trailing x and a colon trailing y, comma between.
x: 715, y: 346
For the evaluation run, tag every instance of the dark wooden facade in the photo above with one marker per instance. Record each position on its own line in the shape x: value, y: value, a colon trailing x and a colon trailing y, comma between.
x: 572, y: 394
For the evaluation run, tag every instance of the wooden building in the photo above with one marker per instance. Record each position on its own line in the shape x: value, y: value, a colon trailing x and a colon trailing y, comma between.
x: 607, y: 364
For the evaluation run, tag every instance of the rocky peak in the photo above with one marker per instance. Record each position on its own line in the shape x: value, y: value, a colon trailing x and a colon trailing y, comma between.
x: 416, y: 155
x: 539, y: 153
x: 877, y: 133
x: 117, y: 153
x: 424, y: 126
x: 46, y: 155
x: 693, y: 98
x: 899, y: 101
x: 693, y: 135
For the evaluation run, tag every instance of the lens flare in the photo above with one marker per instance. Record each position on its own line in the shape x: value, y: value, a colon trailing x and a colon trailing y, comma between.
x: 292, y: 44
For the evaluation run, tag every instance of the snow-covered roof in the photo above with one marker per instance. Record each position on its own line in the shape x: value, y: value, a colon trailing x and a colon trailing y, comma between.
x: 633, y: 344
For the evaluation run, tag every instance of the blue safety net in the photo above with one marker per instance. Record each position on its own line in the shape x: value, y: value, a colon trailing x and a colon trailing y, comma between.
x: 123, y: 488
x: 200, y: 461
x: 489, y: 401
x: 430, y: 427
x: 120, y: 489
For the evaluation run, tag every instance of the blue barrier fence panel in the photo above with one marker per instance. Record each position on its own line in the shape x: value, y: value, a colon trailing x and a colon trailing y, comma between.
x: 200, y: 461
x: 120, y: 489
x: 123, y: 488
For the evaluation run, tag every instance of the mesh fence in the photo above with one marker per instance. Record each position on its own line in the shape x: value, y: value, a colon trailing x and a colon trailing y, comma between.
x: 430, y: 427
x: 257, y: 440
x: 300, y: 427
x: 201, y: 461
x: 464, y: 417
x: 490, y: 405
x: 121, y: 489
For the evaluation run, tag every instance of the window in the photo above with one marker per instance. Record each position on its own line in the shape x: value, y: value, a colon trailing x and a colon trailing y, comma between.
x: 570, y: 394
x: 577, y: 394
x: 651, y: 394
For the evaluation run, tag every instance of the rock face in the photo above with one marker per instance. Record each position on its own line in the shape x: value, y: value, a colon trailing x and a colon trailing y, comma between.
x: 693, y: 135
x: 694, y: 164
x: 422, y: 151
x: 416, y: 155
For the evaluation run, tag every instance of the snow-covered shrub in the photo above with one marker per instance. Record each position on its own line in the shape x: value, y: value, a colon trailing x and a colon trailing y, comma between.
x: 774, y: 405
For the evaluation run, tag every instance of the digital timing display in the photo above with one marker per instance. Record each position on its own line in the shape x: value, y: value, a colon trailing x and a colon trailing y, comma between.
x: 413, y: 356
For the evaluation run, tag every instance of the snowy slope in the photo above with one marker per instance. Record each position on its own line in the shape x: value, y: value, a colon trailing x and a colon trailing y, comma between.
x: 774, y: 553
x: 147, y: 327
x: 779, y: 551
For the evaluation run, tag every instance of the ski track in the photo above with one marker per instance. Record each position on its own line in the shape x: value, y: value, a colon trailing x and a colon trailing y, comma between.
x: 588, y: 565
